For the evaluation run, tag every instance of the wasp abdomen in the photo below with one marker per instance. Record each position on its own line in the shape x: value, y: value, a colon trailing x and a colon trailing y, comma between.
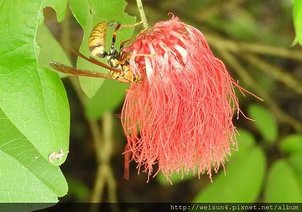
x: 97, y: 40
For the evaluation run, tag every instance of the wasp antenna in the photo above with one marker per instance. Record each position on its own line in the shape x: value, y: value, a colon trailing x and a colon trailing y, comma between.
x: 131, y: 25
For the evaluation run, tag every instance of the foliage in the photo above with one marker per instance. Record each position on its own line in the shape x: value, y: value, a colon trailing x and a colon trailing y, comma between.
x: 264, y: 121
x: 280, y: 190
x: 34, y: 109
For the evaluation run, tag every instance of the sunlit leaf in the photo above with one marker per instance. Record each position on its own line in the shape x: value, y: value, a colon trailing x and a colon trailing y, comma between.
x: 292, y: 144
x: 282, y: 184
x: 297, y: 16
x: 32, y: 98
x: 25, y: 169
x: 264, y: 121
x: 34, y: 110
x: 88, y: 14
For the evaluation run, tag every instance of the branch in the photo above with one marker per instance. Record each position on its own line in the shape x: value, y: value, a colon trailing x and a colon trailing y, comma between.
x: 275, y: 72
x: 239, y: 69
x: 236, y: 47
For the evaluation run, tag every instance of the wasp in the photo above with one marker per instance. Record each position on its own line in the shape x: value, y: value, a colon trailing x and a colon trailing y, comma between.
x: 117, y: 61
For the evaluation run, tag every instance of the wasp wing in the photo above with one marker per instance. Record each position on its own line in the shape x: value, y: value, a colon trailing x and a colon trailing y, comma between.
x: 77, y: 72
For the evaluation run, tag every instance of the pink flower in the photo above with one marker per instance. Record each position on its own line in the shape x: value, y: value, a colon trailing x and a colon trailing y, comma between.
x: 179, y: 117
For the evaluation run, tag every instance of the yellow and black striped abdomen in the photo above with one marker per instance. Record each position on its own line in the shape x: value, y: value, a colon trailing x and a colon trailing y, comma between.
x: 97, y: 39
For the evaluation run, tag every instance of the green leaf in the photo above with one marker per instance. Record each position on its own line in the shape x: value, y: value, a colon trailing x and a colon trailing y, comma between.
x: 292, y: 144
x: 34, y: 100
x: 88, y: 14
x: 282, y: 184
x: 245, y: 139
x: 25, y: 175
x: 50, y: 48
x: 34, y: 111
x: 19, y: 187
x: 242, y: 182
x: 264, y: 122
x: 297, y: 17
x: 108, y: 97
x: 295, y: 161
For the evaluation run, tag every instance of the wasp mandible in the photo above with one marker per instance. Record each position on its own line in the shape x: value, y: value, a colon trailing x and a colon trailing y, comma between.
x: 118, y: 61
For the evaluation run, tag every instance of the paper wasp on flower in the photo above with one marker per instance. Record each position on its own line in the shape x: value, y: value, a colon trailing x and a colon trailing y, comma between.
x: 180, y: 115
x: 118, y: 61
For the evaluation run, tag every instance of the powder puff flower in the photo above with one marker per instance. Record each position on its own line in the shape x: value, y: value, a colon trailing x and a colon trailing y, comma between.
x: 179, y: 117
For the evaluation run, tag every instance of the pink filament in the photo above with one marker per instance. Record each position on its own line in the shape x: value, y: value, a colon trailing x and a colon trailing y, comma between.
x: 180, y: 116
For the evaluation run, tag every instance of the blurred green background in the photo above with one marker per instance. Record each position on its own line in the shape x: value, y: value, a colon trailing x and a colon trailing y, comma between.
x: 254, y: 40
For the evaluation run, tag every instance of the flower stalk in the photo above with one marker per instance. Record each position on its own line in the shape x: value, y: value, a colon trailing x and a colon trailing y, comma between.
x: 142, y: 14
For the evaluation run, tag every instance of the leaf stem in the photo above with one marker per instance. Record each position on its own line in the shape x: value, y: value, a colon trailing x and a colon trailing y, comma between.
x: 142, y: 13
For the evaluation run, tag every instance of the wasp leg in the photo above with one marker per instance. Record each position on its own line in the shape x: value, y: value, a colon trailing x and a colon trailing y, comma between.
x: 124, y: 42
x: 118, y: 26
x: 113, y: 53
